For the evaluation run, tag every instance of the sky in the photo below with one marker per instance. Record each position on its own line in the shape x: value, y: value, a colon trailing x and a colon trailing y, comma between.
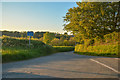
x: 34, y: 16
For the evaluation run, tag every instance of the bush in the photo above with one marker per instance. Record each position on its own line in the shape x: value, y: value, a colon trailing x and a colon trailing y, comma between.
x: 99, y: 49
x: 58, y: 42
x: 112, y: 37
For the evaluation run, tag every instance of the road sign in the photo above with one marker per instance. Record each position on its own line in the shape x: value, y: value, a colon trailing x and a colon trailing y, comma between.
x: 30, y: 33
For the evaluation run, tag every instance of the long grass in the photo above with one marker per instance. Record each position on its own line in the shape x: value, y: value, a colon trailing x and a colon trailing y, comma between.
x: 19, y: 49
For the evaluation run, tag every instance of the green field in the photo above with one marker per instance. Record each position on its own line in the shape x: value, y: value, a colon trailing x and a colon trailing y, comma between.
x: 18, y: 49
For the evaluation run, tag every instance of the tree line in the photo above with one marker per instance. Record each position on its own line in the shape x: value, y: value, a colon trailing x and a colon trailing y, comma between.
x: 50, y: 38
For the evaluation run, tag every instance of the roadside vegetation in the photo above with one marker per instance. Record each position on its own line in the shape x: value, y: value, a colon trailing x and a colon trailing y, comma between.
x: 108, y: 46
x: 19, y: 49
x: 50, y: 38
x: 99, y: 50
x: 96, y: 27
x: 15, y: 49
x: 63, y: 48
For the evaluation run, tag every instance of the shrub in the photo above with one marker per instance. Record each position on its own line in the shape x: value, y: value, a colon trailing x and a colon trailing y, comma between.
x: 111, y: 37
x: 108, y: 39
x: 99, y: 49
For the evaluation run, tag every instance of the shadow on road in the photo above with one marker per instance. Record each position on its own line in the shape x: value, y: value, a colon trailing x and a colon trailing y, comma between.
x: 24, y: 75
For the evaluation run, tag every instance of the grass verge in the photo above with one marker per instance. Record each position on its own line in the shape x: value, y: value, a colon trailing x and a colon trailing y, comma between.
x: 96, y: 54
x: 18, y: 49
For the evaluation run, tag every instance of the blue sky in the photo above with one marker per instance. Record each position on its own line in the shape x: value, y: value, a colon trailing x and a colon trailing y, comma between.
x: 35, y: 16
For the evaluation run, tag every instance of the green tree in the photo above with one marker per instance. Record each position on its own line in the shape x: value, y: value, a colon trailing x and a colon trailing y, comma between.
x: 55, y: 42
x: 93, y: 19
x: 48, y: 37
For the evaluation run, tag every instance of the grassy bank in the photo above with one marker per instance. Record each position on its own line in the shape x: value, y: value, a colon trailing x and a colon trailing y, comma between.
x: 18, y: 49
x: 99, y: 50
x: 15, y: 49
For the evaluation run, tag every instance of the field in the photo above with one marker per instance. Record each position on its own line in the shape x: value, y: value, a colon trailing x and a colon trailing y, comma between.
x: 19, y: 49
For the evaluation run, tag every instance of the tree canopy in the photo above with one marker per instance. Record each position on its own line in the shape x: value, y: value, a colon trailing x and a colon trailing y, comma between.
x: 93, y: 19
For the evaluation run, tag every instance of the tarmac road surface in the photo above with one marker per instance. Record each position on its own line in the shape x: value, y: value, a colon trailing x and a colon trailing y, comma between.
x: 63, y: 65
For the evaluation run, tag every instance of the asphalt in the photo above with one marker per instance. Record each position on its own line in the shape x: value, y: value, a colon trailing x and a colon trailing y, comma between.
x: 63, y: 65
